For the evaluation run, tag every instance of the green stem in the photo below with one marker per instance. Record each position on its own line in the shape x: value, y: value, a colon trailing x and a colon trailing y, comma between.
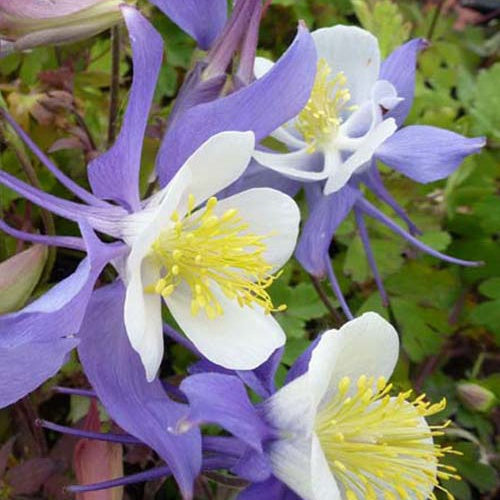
x: 115, y: 84
x: 435, y: 18
x: 326, y: 300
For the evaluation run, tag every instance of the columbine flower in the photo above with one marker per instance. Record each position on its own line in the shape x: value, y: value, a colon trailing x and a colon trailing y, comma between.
x: 335, y: 431
x: 354, y: 108
x: 343, y: 122
x: 32, y: 23
x: 211, y: 265
x: 352, y: 119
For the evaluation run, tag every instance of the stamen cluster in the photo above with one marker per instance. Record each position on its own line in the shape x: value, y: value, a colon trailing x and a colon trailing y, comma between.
x: 203, y: 249
x: 320, y: 119
x: 377, y: 445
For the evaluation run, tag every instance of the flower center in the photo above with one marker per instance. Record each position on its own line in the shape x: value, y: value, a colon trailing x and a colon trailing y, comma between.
x: 378, y: 447
x: 320, y: 120
x: 203, y: 249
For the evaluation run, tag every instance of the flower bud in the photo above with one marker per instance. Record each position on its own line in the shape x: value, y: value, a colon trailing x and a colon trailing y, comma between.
x: 32, y: 23
x: 18, y: 277
x: 476, y: 397
x: 95, y: 461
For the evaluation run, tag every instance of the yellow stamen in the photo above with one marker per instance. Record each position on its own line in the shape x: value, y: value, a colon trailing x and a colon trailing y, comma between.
x: 202, y: 249
x: 378, y: 446
x: 320, y: 119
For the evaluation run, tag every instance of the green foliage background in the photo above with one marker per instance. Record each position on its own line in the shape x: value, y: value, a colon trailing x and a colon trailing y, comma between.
x: 448, y: 317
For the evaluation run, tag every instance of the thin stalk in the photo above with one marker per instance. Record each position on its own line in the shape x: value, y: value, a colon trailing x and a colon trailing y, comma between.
x: 83, y: 125
x: 115, y: 84
x: 326, y: 300
x: 437, y: 13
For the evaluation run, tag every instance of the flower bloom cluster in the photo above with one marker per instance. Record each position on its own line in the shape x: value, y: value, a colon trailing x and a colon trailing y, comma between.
x: 210, y: 241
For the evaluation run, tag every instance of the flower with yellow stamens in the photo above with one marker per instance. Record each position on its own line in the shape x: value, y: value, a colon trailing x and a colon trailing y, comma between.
x: 211, y: 261
x: 338, y: 131
x: 343, y: 435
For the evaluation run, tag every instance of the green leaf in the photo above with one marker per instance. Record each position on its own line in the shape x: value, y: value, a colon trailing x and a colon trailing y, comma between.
x: 355, y: 264
x: 387, y: 254
x: 293, y: 349
x: 304, y: 302
x: 418, y: 338
x: 487, y: 314
x: 385, y: 20
x: 491, y: 288
x: 373, y: 303
x: 413, y: 283
x: 482, y: 476
x: 439, y: 240
x: 486, y: 108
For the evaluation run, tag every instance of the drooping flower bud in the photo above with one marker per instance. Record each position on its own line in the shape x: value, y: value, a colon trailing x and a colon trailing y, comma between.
x: 96, y: 461
x: 32, y: 23
x: 19, y: 276
x: 476, y: 397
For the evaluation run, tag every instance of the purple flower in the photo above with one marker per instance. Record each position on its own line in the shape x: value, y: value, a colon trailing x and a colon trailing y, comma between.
x: 238, y: 248
x: 353, y: 118
x: 333, y: 431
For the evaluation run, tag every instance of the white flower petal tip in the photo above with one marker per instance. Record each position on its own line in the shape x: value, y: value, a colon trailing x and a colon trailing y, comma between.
x: 218, y: 162
x: 241, y: 338
x: 354, y: 52
x: 261, y: 66
x: 296, y: 165
x: 143, y: 321
x: 361, y: 157
x: 367, y: 345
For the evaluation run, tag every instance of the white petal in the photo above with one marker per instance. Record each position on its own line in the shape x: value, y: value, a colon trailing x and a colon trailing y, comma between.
x: 355, y: 52
x: 139, y: 230
x: 321, y: 366
x: 291, y: 461
x: 268, y: 212
x: 294, y: 406
x: 261, y: 66
x: 368, y: 345
x: 240, y: 339
x: 218, y: 162
x: 302, y: 466
x: 142, y: 315
x: 296, y: 165
x: 142, y: 311
x: 359, y: 123
x: 291, y: 409
x: 323, y: 482
x: 339, y: 178
x: 286, y: 134
x: 385, y: 94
